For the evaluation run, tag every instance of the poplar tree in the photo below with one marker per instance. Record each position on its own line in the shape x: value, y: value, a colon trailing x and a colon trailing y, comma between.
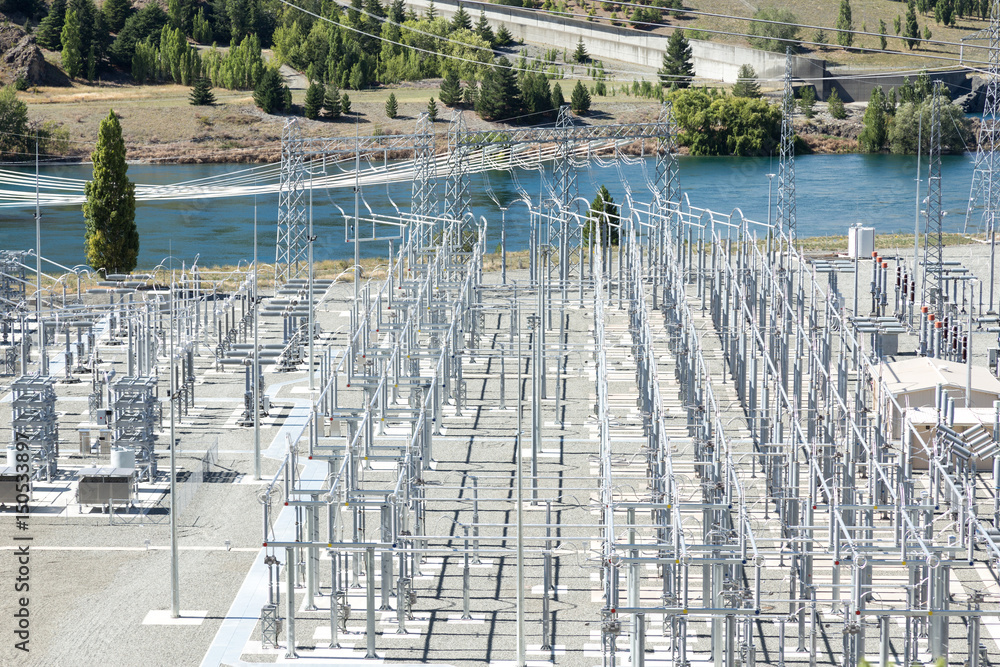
x: 111, y: 238
x: 912, y: 31
x: 72, y: 55
x: 845, y: 25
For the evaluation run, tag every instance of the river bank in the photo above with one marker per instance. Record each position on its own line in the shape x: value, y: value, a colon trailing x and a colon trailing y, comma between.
x: 161, y: 126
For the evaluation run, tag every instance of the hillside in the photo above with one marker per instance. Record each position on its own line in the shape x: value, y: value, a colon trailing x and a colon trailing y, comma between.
x: 160, y: 124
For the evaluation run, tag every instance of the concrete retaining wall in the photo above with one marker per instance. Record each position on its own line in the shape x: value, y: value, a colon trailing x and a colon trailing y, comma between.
x: 712, y: 60
x: 607, y: 42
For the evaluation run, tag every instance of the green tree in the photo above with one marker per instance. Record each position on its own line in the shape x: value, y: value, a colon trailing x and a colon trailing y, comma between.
x: 923, y: 88
x: 331, y: 102
x: 49, y: 31
x: 603, y: 219
x: 557, y: 96
x: 927, y: 33
x: 72, y: 55
x: 536, y: 93
x: 897, y: 24
x: 845, y: 25
x: 807, y: 98
x: 451, y: 88
x: 912, y: 33
x: 461, y: 20
x: 391, y: 106
x: 484, y: 30
x: 873, y: 136
x: 774, y: 30
x: 904, y: 129
x: 314, y: 100
x: 746, y: 83
x: 499, y: 97
x: 835, y: 106
x: 116, y: 12
x: 819, y: 37
x: 14, y: 119
x: 111, y: 239
x: 268, y: 95
x: 432, y: 109
x: 503, y: 37
x: 201, y: 92
x: 579, y: 101
x: 882, y: 41
x: 580, y: 55
x: 678, y: 62
x: 345, y: 104
x: 201, y: 28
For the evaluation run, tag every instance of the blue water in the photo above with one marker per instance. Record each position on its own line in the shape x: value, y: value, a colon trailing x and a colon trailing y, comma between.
x: 833, y: 192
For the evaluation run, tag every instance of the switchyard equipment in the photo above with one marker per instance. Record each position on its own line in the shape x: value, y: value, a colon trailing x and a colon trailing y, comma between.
x: 136, y: 415
x: 685, y: 447
x: 33, y: 421
x: 754, y: 484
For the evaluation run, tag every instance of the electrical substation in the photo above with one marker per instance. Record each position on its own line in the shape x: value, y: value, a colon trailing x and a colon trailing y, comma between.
x: 667, y: 437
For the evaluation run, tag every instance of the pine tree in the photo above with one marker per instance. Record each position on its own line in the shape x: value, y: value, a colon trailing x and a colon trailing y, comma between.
x: 844, y: 25
x: 820, y: 38
x: 536, y: 93
x: 314, y: 100
x: 269, y: 93
x: 451, y: 89
x: 391, y: 106
x: 557, y: 97
x: 912, y: 31
x: 111, y: 238
x: 503, y: 37
x: 72, y: 56
x: 836, y: 106
x: 678, y: 62
x: 397, y: 11
x: 499, y: 97
x: 882, y: 41
x: 432, y: 110
x: 579, y: 101
x: 746, y: 83
x: 331, y: 102
x: 201, y: 92
x: 484, y: 30
x: 115, y: 13
x: 580, y: 55
x: 461, y: 20
x: 49, y: 31
x: 345, y: 104
x: 603, y: 216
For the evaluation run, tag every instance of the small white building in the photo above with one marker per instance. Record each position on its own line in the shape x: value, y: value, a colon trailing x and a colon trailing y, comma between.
x: 909, y: 391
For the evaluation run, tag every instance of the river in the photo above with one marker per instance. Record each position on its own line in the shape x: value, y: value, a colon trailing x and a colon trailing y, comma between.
x: 834, y: 192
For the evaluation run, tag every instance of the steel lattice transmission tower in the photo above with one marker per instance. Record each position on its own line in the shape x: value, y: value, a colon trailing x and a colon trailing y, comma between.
x: 424, y: 189
x: 293, y: 219
x: 985, y: 190
x: 667, y: 187
x: 566, y: 188
x: 933, y: 254
x: 786, y: 170
x: 456, y: 193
